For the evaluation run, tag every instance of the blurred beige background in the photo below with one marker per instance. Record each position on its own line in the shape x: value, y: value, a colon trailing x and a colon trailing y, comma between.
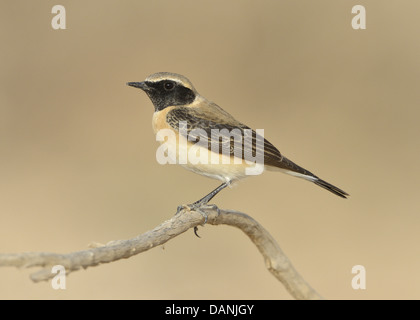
x: 77, y: 152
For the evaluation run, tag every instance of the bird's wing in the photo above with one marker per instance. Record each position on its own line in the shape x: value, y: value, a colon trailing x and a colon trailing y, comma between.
x: 220, y: 134
x: 197, y: 124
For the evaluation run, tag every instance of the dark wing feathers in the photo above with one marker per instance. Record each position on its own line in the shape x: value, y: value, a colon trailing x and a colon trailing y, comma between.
x: 231, y: 135
x: 234, y: 134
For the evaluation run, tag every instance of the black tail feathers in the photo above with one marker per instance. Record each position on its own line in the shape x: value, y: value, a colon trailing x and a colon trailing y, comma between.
x: 331, y: 188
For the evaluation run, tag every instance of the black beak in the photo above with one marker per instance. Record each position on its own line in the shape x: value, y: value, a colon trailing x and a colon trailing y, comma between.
x: 141, y: 85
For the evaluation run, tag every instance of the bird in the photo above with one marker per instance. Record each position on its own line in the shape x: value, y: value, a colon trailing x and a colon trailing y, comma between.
x: 181, y: 110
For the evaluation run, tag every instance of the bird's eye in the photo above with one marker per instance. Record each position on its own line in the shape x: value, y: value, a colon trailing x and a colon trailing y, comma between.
x: 168, y: 85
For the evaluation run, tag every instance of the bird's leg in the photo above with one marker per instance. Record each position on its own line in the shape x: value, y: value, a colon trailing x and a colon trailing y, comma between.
x: 200, y: 204
x: 203, y: 201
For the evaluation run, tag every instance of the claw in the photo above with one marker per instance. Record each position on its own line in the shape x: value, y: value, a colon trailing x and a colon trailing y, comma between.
x: 202, y: 213
x: 195, y: 232
x: 179, y: 209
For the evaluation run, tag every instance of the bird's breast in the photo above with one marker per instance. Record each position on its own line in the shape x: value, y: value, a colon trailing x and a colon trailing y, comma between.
x: 159, y: 120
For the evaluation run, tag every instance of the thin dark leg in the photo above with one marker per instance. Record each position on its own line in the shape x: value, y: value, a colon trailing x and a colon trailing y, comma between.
x: 211, y: 195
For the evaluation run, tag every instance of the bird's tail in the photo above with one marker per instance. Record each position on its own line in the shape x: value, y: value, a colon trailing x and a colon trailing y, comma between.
x: 291, y: 168
x: 331, y: 188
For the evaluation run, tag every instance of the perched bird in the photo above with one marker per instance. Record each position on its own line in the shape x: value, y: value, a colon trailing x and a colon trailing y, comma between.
x: 182, y: 110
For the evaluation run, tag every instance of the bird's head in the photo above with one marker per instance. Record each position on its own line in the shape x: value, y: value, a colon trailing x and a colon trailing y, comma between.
x: 167, y: 89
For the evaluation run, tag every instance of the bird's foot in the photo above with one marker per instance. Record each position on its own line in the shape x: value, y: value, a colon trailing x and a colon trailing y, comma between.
x: 200, y: 207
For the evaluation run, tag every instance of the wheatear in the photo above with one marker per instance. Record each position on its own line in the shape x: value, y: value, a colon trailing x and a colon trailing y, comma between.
x: 182, y: 110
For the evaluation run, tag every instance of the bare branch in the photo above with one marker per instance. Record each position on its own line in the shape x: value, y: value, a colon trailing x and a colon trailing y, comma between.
x: 275, y: 260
